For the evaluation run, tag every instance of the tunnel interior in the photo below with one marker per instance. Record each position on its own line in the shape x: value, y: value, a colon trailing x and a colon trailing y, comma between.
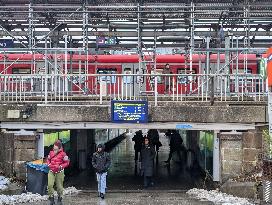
x: 191, y: 165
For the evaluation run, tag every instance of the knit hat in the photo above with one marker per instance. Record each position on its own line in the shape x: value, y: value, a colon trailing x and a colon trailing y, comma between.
x: 58, y: 144
x: 101, y: 146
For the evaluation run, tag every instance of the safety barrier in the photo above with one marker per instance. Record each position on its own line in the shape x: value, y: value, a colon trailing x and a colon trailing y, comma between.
x: 156, y: 87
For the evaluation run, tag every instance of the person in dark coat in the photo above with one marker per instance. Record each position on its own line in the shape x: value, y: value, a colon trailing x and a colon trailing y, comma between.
x: 138, y: 140
x: 147, y: 162
x: 101, y: 162
x: 176, y: 144
x: 154, y: 137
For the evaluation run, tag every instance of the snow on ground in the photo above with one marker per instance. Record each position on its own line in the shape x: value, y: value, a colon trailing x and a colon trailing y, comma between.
x: 3, y: 182
x: 29, y: 197
x: 218, y: 197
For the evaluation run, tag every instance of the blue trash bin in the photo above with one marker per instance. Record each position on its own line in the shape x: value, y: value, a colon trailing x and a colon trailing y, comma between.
x: 37, y: 178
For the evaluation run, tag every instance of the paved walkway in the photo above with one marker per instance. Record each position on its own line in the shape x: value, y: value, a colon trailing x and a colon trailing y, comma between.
x: 122, y: 171
x: 148, y: 198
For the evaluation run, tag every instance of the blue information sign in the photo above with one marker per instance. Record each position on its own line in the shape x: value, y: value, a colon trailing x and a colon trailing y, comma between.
x: 100, y: 41
x: 105, y: 41
x: 184, y: 126
x: 129, y: 111
x: 6, y: 43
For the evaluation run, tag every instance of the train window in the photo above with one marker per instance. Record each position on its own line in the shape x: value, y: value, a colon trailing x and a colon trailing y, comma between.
x: 21, y: 70
x: 107, y: 79
x: 139, y: 78
x: 127, y: 79
x: 242, y: 71
x: 159, y: 78
x: 184, y: 79
x: 77, y: 79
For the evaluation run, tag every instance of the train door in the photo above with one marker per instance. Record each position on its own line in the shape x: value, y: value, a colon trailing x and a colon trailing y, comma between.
x: 138, y: 82
x: 77, y: 82
x: 128, y: 88
x: 21, y: 83
x: 150, y: 80
x: 109, y: 85
x: 245, y: 83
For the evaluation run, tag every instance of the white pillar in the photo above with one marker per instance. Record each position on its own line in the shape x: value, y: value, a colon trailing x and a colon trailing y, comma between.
x: 216, y: 157
x: 40, y: 139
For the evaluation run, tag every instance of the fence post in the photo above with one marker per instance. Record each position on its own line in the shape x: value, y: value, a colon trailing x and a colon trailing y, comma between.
x: 100, y: 91
x: 156, y: 91
x: 211, y: 84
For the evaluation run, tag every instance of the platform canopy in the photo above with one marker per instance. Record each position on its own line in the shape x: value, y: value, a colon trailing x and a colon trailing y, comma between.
x: 129, y: 23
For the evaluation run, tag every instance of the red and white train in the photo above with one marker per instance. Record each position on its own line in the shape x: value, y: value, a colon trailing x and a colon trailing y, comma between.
x: 120, y: 64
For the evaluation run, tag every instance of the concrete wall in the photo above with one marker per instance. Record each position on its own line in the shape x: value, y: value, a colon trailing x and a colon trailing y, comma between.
x: 240, y: 153
x: 15, y: 151
x: 167, y: 112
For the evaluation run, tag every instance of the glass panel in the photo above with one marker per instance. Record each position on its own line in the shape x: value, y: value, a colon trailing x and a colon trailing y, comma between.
x: 107, y: 79
x: 206, y: 150
x: 127, y: 79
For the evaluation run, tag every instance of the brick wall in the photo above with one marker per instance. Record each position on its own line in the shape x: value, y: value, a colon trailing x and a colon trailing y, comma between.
x: 240, y: 153
x: 15, y: 150
x: 231, y: 155
x: 252, y: 150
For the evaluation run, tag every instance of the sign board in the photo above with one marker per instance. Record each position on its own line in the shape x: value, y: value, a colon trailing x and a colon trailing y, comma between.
x: 105, y: 41
x: 263, y: 64
x: 100, y: 41
x: 6, y: 43
x: 184, y: 126
x: 13, y: 114
x: 129, y: 111
x: 111, y: 41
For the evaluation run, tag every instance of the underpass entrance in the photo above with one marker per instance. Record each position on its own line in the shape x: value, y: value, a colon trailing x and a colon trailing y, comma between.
x: 189, y: 167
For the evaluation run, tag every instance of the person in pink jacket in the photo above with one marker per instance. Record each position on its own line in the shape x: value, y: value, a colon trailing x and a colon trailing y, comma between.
x: 57, y: 161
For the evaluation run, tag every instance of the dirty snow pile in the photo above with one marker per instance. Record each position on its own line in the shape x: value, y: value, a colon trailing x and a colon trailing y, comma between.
x: 70, y: 191
x: 3, y: 183
x: 29, y: 197
x: 218, y: 197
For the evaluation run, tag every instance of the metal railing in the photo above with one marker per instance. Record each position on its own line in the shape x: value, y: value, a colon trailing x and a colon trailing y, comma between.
x: 156, y: 87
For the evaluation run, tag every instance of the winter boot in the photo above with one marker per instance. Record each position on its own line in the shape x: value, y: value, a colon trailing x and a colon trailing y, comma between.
x: 51, y: 200
x: 102, y: 196
x: 59, y: 200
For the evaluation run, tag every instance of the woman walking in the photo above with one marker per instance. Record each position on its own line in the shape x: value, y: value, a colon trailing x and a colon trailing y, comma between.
x: 101, y: 162
x: 57, y: 161
x: 147, y: 162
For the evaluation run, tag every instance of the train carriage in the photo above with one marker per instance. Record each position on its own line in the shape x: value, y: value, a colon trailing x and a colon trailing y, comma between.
x: 82, y: 65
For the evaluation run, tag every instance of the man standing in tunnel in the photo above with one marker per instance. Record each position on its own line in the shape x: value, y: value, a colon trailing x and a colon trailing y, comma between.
x: 147, y: 162
x: 154, y: 137
x: 101, y: 162
x: 57, y: 161
x: 138, y: 140
x: 176, y: 144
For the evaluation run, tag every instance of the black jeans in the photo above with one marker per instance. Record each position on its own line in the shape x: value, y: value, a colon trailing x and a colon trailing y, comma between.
x: 171, y: 153
x: 147, y: 181
x: 137, y: 152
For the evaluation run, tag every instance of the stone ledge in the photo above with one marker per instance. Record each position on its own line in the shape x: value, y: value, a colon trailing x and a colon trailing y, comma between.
x: 171, y: 112
x: 240, y: 189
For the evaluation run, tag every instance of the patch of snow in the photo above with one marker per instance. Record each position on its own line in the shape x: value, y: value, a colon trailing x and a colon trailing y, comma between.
x: 30, y: 198
x: 218, y: 197
x: 70, y: 191
x: 3, y: 182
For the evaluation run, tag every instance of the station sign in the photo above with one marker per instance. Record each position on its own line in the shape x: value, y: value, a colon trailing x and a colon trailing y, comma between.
x: 6, y: 43
x: 105, y: 41
x: 129, y: 111
x: 183, y: 126
x: 100, y: 41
